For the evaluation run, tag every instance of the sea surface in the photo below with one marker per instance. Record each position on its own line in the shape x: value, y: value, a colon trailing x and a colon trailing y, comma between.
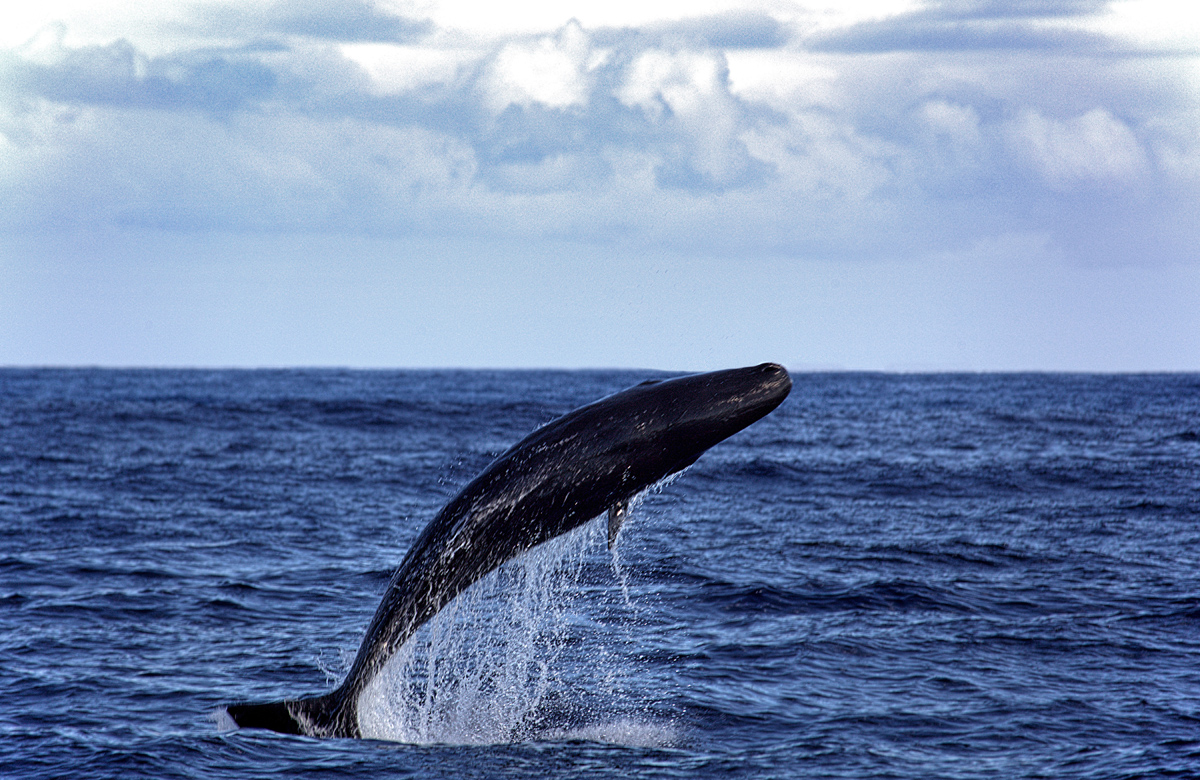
x: 891, y: 576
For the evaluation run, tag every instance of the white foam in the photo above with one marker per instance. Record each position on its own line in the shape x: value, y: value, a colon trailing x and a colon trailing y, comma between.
x: 625, y: 731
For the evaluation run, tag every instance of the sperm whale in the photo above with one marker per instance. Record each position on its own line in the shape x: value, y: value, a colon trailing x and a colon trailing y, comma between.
x: 589, y: 461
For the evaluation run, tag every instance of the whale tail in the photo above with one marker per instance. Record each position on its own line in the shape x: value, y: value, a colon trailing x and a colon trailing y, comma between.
x: 314, y: 716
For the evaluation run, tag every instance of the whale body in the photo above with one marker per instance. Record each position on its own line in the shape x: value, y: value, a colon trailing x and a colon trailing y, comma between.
x: 591, y: 460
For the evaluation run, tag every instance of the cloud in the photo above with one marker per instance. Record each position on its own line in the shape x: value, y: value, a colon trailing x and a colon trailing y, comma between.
x: 550, y: 71
x: 727, y: 30
x: 953, y: 35
x: 732, y: 30
x: 718, y: 134
x: 335, y: 20
x: 1018, y: 9
x: 1092, y: 148
x: 685, y: 95
x: 972, y: 25
x: 1176, y: 146
x: 118, y: 74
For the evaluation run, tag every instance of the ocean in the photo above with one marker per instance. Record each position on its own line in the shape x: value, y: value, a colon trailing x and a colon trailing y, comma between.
x: 890, y: 576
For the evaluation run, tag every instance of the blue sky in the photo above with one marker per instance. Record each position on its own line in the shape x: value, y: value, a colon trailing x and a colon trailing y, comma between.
x: 957, y: 185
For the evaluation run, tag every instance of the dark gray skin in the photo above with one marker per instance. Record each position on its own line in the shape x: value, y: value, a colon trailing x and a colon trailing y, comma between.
x: 565, y: 473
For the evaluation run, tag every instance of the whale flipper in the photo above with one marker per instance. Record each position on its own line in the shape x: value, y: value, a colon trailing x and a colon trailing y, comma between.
x: 616, y: 518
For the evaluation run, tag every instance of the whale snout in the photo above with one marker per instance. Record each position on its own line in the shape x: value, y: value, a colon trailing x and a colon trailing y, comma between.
x: 722, y: 403
x: 766, y: 385
x: 774, y: 377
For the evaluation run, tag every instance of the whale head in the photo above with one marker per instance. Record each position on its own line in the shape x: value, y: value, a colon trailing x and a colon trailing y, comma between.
x: 602, y: 454
x: 685, y: 416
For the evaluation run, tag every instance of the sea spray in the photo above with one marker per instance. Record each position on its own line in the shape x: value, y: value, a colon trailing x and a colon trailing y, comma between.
x: 486, y: 669
x: 620, y: 571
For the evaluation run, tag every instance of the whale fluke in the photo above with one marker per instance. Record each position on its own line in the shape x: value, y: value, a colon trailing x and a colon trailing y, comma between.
x: 315, y: 716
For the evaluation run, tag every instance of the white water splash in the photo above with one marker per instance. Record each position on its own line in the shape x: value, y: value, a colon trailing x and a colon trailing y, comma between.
x: 618, y: 567
x: 623, y: 731
x: 491, y: 667
x: 223, y: 720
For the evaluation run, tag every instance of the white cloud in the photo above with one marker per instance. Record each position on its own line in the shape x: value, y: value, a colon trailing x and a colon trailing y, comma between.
x: 822, y: 159
x: 395, y: 69
x: 685, y: 82
x: 646, y: 135
x: 552, y: 71
x: 1154, y: 24
x: 1175, y: 141
x: 1093, y: 148
x: 690, y: 90
x: 783, y: 79
x: 958, y: 123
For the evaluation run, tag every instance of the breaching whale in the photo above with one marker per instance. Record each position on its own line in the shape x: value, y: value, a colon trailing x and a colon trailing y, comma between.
x: 565, y: 473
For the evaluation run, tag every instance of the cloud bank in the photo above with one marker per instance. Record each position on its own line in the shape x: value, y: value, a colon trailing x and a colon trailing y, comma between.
x: 742, y: 132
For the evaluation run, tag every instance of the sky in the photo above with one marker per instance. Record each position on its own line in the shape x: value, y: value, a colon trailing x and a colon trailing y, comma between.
x: 898, y: 185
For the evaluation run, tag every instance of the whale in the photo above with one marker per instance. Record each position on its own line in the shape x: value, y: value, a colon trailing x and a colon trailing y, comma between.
x: 578, y: 467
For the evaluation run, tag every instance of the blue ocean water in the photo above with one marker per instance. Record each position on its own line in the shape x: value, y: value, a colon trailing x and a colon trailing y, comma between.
x: 891, y: 576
